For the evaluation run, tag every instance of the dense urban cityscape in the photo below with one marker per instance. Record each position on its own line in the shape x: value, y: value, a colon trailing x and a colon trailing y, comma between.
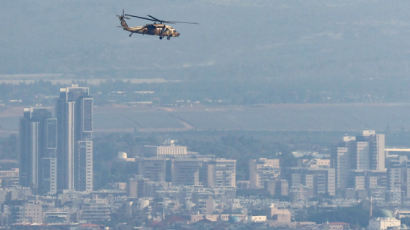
x: 173, y: 187
x: 205, y: 114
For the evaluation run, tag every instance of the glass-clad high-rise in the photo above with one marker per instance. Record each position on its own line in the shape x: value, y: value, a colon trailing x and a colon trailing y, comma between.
x: 38, y: 145
x: 75, y: 144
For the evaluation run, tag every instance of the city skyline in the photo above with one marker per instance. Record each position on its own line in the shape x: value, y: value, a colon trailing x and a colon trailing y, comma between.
x: 56, y: 151
x: 266, y: 114
x: 359, y: 167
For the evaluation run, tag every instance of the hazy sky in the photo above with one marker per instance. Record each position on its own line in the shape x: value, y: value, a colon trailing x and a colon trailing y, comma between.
x: 235, y: 38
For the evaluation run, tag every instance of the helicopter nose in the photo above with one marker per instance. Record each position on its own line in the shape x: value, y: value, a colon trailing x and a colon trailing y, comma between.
x: 177, y: 34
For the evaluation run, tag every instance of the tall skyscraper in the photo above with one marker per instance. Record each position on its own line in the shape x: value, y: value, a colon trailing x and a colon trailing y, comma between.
x: 75, y: 145
x: 373, y: 146
x: 38, y: 145
x: 344, y: 162
x: 342, y: 166
x: 360, y: 161
x: 362, y: 155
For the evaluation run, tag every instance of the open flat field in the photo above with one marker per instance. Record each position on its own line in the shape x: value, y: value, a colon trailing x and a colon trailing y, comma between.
x: 277, y: 117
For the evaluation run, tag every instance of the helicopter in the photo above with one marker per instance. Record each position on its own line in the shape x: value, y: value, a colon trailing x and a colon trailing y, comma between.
x: 158, y: 27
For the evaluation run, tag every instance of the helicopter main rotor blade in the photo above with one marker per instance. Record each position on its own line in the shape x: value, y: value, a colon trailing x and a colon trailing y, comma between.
x: 175, y: 22
x: 170, y: 22
x: 149, y: 19
x: 156, y: 19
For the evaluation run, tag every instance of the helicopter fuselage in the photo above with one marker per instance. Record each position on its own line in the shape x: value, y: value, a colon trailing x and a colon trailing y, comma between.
x: 158, y: 29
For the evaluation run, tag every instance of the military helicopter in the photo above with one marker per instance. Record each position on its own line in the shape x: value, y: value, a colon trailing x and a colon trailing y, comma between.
x: 158, y: 27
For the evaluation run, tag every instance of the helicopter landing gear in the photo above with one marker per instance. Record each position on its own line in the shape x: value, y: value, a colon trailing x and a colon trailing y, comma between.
x: 160, y: 38
x: 169, y: 37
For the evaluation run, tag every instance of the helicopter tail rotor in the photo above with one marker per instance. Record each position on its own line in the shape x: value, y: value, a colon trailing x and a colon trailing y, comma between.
x: 123, y: 16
